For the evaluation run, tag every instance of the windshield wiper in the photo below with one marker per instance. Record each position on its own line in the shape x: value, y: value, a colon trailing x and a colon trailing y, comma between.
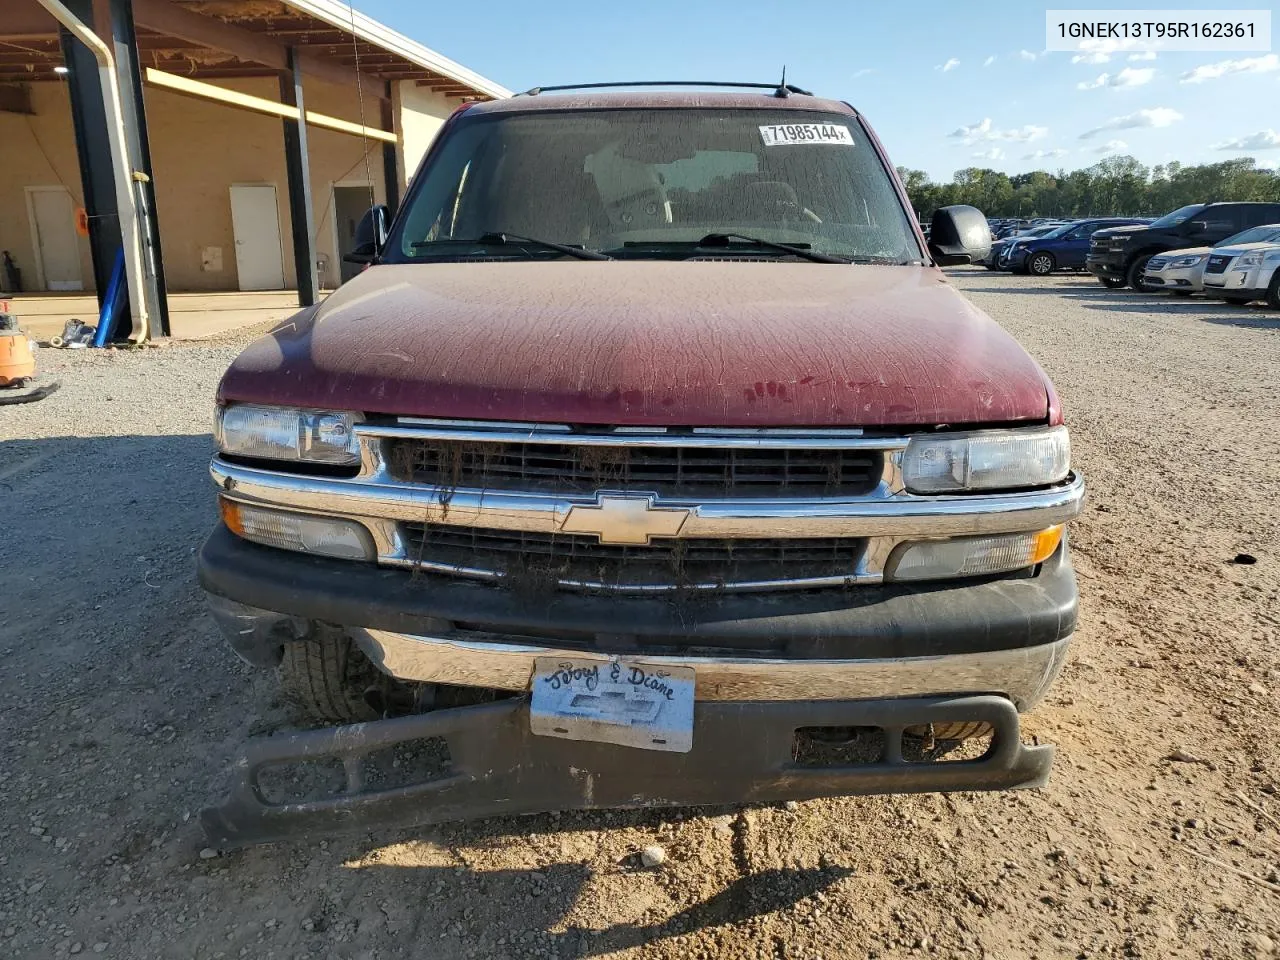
x: 798, y: 250
x: 514, y: 239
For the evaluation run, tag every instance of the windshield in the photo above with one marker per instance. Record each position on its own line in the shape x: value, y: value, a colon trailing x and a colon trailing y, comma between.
x: 1058, y: 231
x: 653, y: 183
x: 1266, y: 234
x: 1181, y: 215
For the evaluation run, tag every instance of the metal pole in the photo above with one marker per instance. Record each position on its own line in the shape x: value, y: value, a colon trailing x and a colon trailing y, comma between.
x: 130, y: 230
x: 298, y: 165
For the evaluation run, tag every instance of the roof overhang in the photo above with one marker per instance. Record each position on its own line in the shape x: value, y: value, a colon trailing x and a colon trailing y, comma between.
x: 213, y: 39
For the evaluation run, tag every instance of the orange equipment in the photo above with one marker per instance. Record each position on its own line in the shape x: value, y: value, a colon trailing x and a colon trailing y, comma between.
x: 17, y: 359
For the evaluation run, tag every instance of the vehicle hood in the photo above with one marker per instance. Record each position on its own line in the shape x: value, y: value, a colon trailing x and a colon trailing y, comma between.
x: 648, y: 343
x: 1115, y: 231
x: 1238, y: 248
x: 1181, y: 252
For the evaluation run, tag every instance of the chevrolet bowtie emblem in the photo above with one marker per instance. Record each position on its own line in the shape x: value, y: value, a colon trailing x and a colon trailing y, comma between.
x: 625, y: 520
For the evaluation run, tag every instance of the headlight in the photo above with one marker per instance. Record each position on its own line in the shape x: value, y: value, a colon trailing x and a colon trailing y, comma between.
x: 1251, y: 259
x: 280, y: 433
x: 972, y: 556
x: 1186, y: 261
x: 326, y: 536
x: 989, y: 460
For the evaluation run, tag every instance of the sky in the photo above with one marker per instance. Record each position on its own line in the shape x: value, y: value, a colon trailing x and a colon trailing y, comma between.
x: 945, y: 85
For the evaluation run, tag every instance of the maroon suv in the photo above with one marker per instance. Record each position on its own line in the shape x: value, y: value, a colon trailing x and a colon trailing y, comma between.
x: 652, y: 461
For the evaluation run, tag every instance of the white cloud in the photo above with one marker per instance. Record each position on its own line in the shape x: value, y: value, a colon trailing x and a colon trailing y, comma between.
x: 1133, y: 77
x: 1045, y: 154
x: 948, y: 66
x: 1155, y: 117
x: 1097, y: 57
x: 1027, y: 55
x: 995, y: 153
x: 1128, y: 77
x: 1145, y: 55
x: 863, y: 72
x: 989, y: 61
x: 984, y: 131
x: 1112, y: 146
x: 1212, y: 71
x: 1262, y: 140
x: 1267, y: 164
x: 1100, y: 51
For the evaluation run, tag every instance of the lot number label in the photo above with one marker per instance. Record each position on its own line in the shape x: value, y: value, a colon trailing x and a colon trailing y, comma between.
x: 783, y: 133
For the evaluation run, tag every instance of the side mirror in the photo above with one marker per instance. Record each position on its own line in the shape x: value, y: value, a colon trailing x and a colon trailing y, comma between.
x: 958, y: 234
x: 371, y: 236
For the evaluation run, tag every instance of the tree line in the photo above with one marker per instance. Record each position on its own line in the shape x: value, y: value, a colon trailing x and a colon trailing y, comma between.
x: 1117, y: 185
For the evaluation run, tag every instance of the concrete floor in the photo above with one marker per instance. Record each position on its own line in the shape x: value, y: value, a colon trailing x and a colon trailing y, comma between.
x: 192, y: 316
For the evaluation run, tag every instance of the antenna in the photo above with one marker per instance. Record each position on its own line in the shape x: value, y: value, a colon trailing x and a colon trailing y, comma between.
x: 783, y: 91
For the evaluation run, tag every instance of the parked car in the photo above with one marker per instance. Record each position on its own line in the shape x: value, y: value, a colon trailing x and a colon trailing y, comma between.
x: 1184, y: 272
x: 1180, y: 272
x: 992, y: 260
x: 1062, y: 249
x: 648, y: 485
x: 1246, y: 267
x: 1119, y: 255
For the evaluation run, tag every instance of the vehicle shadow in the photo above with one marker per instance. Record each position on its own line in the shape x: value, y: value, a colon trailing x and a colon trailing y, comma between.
x: 550, y: 894
x: 1128, y: 301
x: 1269, y: 320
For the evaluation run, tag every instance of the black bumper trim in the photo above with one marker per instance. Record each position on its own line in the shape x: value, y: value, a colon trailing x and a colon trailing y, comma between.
x: 860, y: 622
x: 742, y: 753
x: 1101, y: 268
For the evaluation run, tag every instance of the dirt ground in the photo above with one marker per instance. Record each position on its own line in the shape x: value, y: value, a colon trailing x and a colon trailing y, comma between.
x: 1158, y: 835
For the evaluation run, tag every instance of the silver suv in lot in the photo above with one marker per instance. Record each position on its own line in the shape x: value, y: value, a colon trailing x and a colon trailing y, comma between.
x: 1247, y: 270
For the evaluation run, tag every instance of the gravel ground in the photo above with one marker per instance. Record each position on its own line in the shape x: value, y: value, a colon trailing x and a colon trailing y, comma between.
x: 120, y: 708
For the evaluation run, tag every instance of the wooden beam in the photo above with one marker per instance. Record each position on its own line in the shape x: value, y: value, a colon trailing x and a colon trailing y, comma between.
x: 245, y: 101
x: 168, y: 18
x: 174, y: 21
x: 319, y: 68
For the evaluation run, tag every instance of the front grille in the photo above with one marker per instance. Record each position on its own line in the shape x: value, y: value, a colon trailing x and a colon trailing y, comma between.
x: 537, y: 561
x: 667, y: 471
x: 1218, y: 263
x: 1157, y: 263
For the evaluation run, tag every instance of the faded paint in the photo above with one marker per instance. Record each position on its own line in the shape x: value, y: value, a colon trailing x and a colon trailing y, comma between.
x: 649, y: 342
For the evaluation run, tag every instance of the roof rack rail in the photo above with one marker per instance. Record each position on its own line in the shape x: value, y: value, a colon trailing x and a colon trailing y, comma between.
x: 780, y: 89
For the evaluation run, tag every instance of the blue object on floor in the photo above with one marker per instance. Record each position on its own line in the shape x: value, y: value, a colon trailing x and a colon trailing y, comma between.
x: 111, y: 303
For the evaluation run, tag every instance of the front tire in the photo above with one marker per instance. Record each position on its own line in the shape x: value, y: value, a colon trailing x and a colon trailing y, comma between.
x: 326, y: 676
x: 1136, y: 269
x: 1273, y: 291
x: 1042, y: 264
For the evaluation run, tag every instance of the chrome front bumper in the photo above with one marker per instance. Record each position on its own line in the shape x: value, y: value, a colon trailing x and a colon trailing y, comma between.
x: 1023, y: 674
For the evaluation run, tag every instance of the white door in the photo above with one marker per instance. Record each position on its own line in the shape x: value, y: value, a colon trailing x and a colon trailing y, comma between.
x: 255, y: 222
x: 53, y: 226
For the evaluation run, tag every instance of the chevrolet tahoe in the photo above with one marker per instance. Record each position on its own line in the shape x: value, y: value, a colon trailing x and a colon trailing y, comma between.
x: 653, y: 460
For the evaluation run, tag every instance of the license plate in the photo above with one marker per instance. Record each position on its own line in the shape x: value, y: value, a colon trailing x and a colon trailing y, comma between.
x: 630, y: 703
